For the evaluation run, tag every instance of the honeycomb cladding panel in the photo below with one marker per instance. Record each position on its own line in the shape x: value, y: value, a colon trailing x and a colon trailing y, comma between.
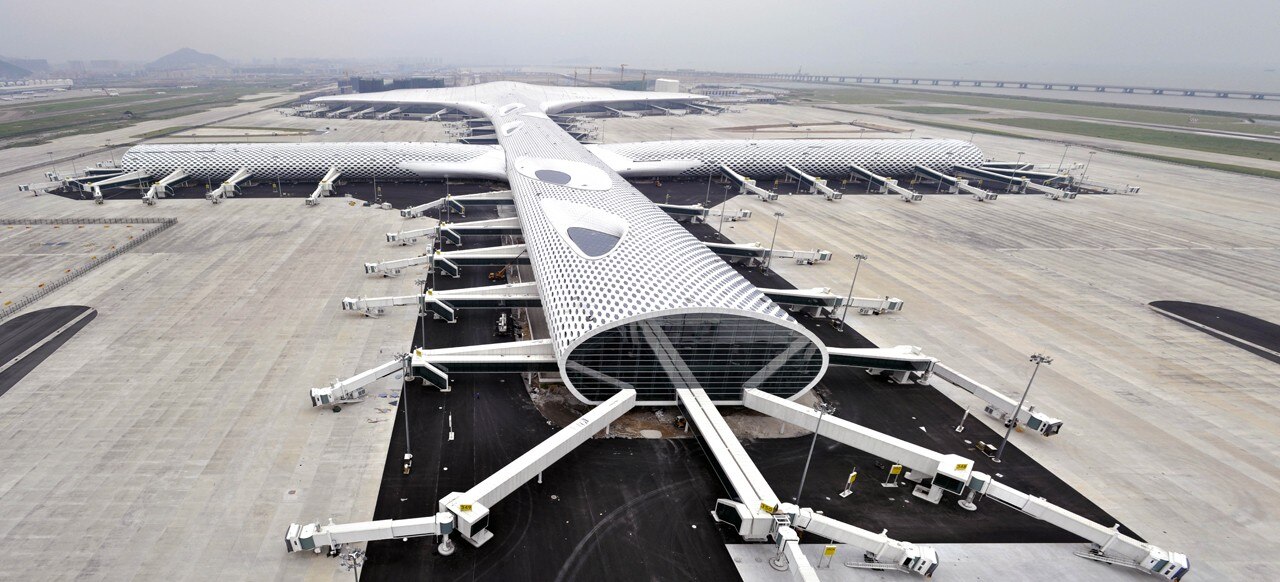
x: 296, y: 161
x: 819, y: 157
x: 657, y: 266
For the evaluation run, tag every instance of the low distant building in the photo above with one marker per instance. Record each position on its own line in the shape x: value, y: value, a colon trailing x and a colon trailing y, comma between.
x: 666, y: 85
x: 378, y: 84
x: 734, y: 94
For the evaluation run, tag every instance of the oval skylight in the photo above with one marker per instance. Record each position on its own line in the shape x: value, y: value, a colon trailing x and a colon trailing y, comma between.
x: 567, y: 173
x: 553, y: 176
x: 590, y: 232
x: 592, y: 243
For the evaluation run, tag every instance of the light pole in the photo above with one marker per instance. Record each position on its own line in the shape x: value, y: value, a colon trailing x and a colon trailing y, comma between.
x: 352, y: 561
x: 768, y: 260
x: 707, y: 202
x: 1020, y: 154
x: 724, y: 207
x: 858, y: 257
x: 1085, y: 172
x: 1064, y: 156
x: 823, y: 409
x: 1038, y: 359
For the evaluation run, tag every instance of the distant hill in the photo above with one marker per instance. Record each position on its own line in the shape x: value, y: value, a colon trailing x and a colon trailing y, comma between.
x: 12, y: 71
x: 186, y: 58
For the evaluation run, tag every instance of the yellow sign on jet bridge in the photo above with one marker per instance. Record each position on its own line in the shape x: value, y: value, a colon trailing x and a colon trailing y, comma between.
x: 765, y: 507
x: 464, y: 507
x: 962, y: 466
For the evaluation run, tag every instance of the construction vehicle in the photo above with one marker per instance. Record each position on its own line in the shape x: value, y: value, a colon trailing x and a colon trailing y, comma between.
x: 500, y: 276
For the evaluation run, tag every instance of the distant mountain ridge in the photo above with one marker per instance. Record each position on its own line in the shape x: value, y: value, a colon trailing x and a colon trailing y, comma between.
x: 12, y: 71
x: 186, y: 58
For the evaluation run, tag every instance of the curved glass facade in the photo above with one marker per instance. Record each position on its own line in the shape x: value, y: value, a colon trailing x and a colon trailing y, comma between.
x: 720, y: 353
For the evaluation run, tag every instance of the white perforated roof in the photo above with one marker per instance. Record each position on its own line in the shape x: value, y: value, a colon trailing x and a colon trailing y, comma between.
x: 309, y: 161
x: 657, y: 266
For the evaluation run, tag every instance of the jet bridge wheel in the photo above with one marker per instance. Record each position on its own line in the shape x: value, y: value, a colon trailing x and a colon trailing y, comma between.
x: 337, y: 408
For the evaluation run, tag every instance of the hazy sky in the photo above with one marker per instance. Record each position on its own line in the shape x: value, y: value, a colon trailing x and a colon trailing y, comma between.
x: 1010, y: 37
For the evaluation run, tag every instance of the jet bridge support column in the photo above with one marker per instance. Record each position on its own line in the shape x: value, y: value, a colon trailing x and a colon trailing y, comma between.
x: 325, y: 187
x: 471, y: 507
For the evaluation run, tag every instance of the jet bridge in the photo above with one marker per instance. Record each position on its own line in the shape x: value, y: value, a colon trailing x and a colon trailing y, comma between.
x: 117, y: 180
x: 954, y: 474
x: 747, y: 185
x: 998, y: 405
x: 820, y: 301
x: 682, y: 213
x: 325, y: 187
x: 230, y: 187
x: 160, y: 188
x: 315, y: 537
x: 339, y: 112
x: 816, y: 185
x: 754, y: 253
x: 353, y: 389
x: 445, y: 304
x: 362, y: 113
x: 434, y: 367
x: 1050, y: 192
x: 1010, y: 183
x: 1062, y: 179
x: 954, y: 185
x: 471, y: 507
x: 670, y: 111
x: 451, y: 262
x: 454, y: 232
x: 459, y: 203
x: 389, y: 113
x: 901, y: 363
x: 757, y: 514
x: 885, y: 185
x: 620, y: 113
